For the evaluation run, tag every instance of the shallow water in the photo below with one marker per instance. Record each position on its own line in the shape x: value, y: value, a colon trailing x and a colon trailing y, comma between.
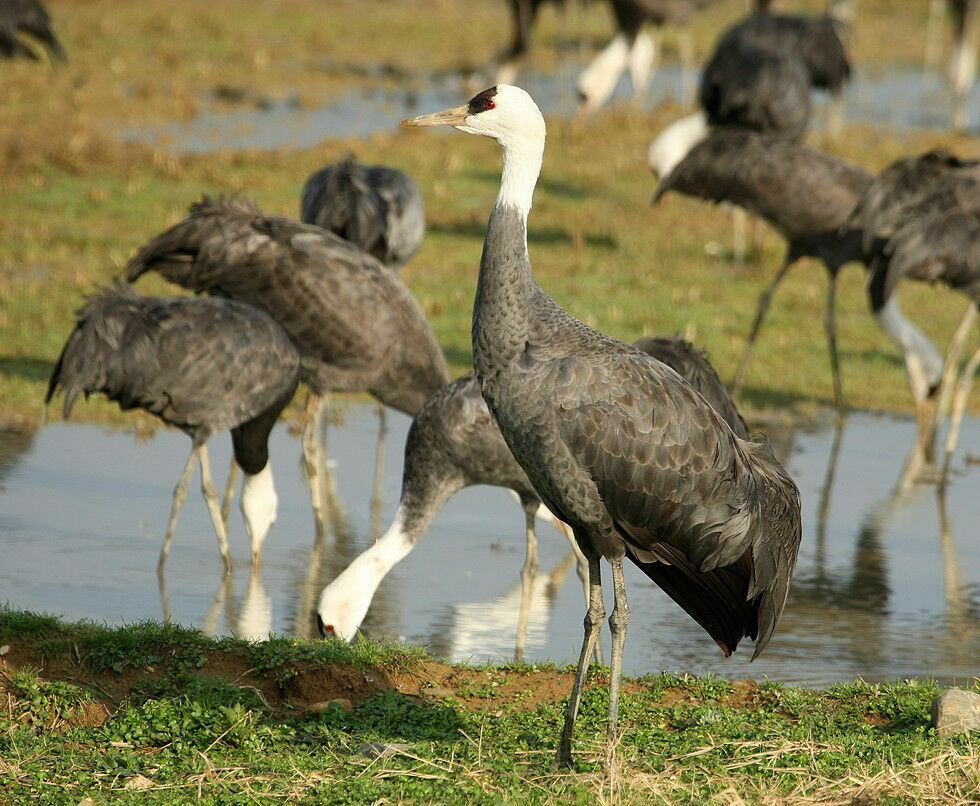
x: 887, y: 587
x: 894, y: 98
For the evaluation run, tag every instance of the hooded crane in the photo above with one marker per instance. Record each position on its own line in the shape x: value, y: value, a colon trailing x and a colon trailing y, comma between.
x: 933, y: 236
x: 912, y: 199
x: 200, y: 365
x: 815, y: 41
x: 18, y: 17
x: 804, y: 193
x: 453, y: 443
x: 355, y: 324
x: 633, y: 49
x: 376, y: 208
x: 615, y: 443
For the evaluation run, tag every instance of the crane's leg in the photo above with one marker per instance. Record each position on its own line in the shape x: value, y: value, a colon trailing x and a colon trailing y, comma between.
x: 593, y: 622
x: 618, y: 622
x: 835, y: 115
x: 180, y: 494
x: 229, y: 490
x: 760, y: 314
x: 830, y: 325
x: 959, y: 408
x: 313, y: 457
x: 528, y: 575
x: 379, y: 468
x: 581, y: 565
x: 951, y: 364
x: 214, y: 507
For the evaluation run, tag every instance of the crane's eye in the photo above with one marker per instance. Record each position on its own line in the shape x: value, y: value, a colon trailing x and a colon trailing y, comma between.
x: 489, y: 104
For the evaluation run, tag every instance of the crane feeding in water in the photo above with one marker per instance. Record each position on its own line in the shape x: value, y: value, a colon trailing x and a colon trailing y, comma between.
x: 615, y: 443
x: 356, y: 325
x: 453, y: 443
x: 200, y: 365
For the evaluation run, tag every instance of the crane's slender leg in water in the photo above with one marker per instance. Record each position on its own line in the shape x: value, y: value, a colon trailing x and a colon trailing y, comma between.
x: 618, y: 622
x: 760, y: 314
x: 214, y: 505
x: 951, y: 366
x: 582, y: 569
x: 528, y: 575
x: 313, y: 457
x: 959, y: 409
x: 593, y: 622
x: 180, y: 495
x: 830, y: 325
x: 229, y: 490
x: 379, y: 468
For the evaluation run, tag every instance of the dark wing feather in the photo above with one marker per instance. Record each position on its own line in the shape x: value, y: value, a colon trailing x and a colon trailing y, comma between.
x: 803, y: 192
x: 713, y: 519
x: 692, y: 364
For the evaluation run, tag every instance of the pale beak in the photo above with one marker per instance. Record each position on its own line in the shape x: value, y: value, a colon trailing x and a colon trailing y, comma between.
x: 448, y: 117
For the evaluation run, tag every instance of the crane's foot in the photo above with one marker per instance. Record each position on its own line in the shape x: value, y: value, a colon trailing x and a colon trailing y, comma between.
x: 564, y: 759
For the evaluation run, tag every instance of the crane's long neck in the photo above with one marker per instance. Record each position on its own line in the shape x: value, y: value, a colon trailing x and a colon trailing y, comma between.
x: 501, y: 317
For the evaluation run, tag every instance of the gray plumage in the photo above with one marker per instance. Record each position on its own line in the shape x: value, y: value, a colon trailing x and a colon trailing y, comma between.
x: 19, y: 17
x: 376, y: 208
x: 625, y: 452
x: 765, y: 91
x: 615, y: 443
x: 200, y: 365
x: 816, y: 41
x: 454, y: 442
x: 355, y: 324
x: 806, y: 194
x: 921, y: 218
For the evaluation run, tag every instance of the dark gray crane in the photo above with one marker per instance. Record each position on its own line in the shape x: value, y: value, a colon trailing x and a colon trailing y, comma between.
x: 27, y: 17
x: 916, y: 220
x: 376, y: 208
x: 453, y: 443
x: 615, y: 443
x: 355, y: 324
x: 804, y: 193
x: 200, y: 365
x: 815, y: 42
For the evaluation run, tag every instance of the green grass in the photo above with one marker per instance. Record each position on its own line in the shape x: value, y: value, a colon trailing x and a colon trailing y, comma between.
x: 176, y: 732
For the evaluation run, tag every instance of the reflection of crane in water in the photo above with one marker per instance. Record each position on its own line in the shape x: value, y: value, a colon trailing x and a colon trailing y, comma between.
x: 476, y: 630
x: 14, y: 444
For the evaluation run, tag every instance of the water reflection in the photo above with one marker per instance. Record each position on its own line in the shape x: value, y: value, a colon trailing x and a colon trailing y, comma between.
x: 884, y: 588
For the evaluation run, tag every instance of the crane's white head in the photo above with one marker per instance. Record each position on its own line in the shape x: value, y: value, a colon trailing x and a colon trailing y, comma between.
x: 675, y: 142
x: 259, y: 505
x: 505, y: 112
x: 510, y: 116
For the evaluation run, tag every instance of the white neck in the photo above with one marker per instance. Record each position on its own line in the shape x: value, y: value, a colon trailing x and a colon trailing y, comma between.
x: 522, y: 165
x: 922, y: 360
x: 676, y: 141
x: 345, y: 601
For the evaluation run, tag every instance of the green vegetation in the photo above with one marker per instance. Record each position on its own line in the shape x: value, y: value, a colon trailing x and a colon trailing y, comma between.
x: 160, y: 714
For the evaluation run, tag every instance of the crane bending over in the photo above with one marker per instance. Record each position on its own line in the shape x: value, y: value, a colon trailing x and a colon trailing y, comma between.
x: 200, y: 365
x: 377, y: 208
x: 18, y: 17
x: 453, y: 443
x: 615, y: 443
x: 356, y: 325
x: 805, y: 194
x: 927, y: 193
